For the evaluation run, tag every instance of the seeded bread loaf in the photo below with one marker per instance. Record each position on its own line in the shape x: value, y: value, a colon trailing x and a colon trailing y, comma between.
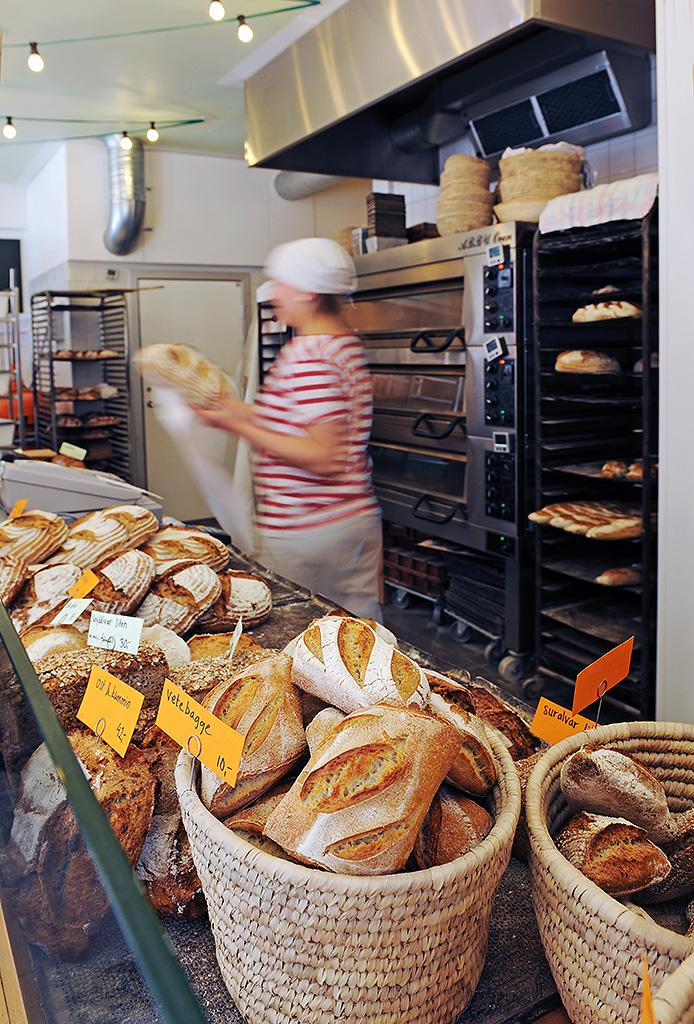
x: 174, y: 545
x: 262, y: 704
x: 453, y: 825
x: 98, y: 536
x: 243, y: 596
x: 358, y: 806
x: 179, y: 600
x: 344, y: 663
x: 204, y: 674
x: 613, y: 853
x: 32, y: 537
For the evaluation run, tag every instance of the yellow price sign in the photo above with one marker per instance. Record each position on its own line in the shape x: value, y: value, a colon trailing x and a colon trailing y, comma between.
x: 18, y: 508
x: 553, y: 723
x: 202, y: 734
x: 84, y: 585
x: 111, y: 708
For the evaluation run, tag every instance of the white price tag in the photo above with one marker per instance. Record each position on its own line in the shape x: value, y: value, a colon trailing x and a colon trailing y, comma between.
x: 234, y: 642
x: 71, y: 611
x: 115, y: 632
x: 72, y: 451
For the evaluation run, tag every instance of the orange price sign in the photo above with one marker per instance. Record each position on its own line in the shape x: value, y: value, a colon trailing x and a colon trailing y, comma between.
x: 84, y: 585
x: 595, y: 680
x: 647, y: 1011
x: 553, y: 723
x: 18, y: 508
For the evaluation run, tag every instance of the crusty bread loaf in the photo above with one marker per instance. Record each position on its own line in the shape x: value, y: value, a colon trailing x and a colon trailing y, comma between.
x: 680, y: 881
x: 44, y: 592
x: 254, y: 818
x: 186, y: 371
x: 179, y: 600
x: 216, y: 645
x: 243, y: 596
x: 344, y: 662
x: 594, y: 519
x: 320, y: 725
x: 204, y: 674
x: 123, y: 583
x: 177, y: 544
x: 453, y: 825
x: 378, y: 627
x: 43, y: 641
x: 614, y: 469
x: 474, y: 769
x: 358, y: 806
x: 12, y: 576
x: 596, y: 311
x: 606, y: 781
x: 32, y: 537
x: 54, y: 887
x: 100, y: 536
x: 615, y: 854
x: 521, y: 845
x: 175, y: 649
x: 625, y: 576
x: 262, y: 704
x: 584, y: 361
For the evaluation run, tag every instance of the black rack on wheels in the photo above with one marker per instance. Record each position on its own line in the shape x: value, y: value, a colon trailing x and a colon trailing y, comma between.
x: 581, y: 422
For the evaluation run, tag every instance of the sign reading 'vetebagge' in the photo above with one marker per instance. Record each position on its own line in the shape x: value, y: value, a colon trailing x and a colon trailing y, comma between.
x: 201, y: 733
x: 111, y: 708
x: 115, y: 632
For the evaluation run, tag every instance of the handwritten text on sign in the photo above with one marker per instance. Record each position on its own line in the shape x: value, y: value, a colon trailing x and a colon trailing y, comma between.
x: 181, y: 718
x: 112, y: 704
x: 115, y: 632
x: 553, y: 723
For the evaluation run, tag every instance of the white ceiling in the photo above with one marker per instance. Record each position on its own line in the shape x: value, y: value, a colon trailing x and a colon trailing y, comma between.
x: 190, y: 73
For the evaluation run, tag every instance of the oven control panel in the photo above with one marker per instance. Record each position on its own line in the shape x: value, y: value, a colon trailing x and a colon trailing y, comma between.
x: 500, y: 392
x: 499, y: 484
x: 498, y: 298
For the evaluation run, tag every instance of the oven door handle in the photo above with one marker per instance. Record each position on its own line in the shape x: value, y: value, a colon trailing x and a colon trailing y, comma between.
x: 423, y: 342
x: 432, y: 517
x: 423, y: 426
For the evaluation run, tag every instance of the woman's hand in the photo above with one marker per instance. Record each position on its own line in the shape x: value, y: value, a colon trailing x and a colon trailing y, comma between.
x: 230, y: 416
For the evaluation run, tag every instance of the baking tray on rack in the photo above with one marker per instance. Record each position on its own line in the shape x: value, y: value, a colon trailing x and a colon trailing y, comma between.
x: 586, y: 569
x: 593, y: 471
x: 613, y: 618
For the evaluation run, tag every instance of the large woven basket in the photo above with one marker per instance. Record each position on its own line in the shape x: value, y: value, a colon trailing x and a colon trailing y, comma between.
x: 299, y: 946
x: 674, y: 1002
x: 594, y: 944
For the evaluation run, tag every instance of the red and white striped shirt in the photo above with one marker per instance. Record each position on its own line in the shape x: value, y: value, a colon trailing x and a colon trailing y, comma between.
x: 315, y: 379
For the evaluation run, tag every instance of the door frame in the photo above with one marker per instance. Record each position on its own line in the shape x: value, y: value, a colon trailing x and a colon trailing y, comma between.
x: 138, y: 453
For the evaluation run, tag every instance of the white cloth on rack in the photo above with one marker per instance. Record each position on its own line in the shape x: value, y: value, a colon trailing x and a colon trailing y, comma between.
x: 630, y: 199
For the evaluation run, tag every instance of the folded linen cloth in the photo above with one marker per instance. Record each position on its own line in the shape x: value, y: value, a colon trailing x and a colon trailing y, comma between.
x: 630, y: 199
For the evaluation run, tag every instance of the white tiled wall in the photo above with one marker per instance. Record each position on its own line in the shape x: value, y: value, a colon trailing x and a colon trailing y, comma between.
x: 622, y: 157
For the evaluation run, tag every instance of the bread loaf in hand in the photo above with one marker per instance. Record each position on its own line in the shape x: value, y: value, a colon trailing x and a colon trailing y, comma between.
x: 613, y: 853
x: 358, y: 806
x: 262, y: 704
x: 186, y: 371
x: 474, y: 769
x: 453, y: 826
x: 345, y: 663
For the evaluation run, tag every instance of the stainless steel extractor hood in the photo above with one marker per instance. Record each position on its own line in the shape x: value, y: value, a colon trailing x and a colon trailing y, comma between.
x: 380, y: 85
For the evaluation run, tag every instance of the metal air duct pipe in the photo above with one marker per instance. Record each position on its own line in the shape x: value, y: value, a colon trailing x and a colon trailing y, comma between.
x: 299, y: 185
x: 126, y: 179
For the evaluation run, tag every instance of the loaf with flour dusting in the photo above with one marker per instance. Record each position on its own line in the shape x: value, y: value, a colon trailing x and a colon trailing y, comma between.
x: 243, y: 596
x: 32, y: 537
x: 42, y: 594
x: 98, y: 536
x: 174, y: 545
x: 474, y: 769
x: 179, y: 600
x: 186, y: 371
x: 358, y: 806
x: 346, y: 664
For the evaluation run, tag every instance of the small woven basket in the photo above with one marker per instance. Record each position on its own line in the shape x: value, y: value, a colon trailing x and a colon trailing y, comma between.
x: 299, y: 945
x: 674, y: 1002
x: 594, y: 944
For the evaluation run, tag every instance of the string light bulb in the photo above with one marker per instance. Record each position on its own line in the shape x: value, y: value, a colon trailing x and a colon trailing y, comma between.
x: 35, y: 60
x: 126, y: 143
x: 216, y: 10
x: 152, y: 133
x: 245, y: 32
x: 9, y: 130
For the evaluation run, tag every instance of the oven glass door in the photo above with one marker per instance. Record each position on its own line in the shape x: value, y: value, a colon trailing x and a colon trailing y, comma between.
x: 418, y: 324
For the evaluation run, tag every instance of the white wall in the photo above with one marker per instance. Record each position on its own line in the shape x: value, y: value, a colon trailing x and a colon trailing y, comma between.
x: 46, y: 236
x: 12, y: 211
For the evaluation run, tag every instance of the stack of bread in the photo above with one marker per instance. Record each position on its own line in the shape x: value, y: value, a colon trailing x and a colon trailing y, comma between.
x: 593, y: 519
x: 465, y: 201
x: 530, y: 178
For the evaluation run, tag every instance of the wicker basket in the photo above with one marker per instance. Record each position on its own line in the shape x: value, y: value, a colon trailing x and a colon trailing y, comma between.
x: 594, y: 944
x: 674, y: 1001
x: 299, y: 945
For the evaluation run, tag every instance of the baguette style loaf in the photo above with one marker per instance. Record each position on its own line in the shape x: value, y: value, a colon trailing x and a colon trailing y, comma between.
x: 453, y: 826
x: 358, y: 806
x: 346, y: 664
x: 186, y: 371
x: 474, y: 769
x: 613, y: 853
x: 262, y: 704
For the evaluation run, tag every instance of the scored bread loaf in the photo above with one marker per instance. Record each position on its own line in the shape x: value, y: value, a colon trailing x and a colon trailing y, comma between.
x: 261, y: 704
x: 178, y: 544
x: 43, y: 641
x: 474, y: 769
x: 12, y: 576
x: 250, y: 822
x: 243, y: 596
x: 606, y: 781
x: 42, y: 595
x: 380, y: 630
x: 606, y: 311
x: 204, y: 674
x: 625, y: 576
x: 99, y: 536
x: 680, y: 881
x: 453, y: 825
x: 615, y: 854
x: 584, y: 361
x: 614, y: 469
x: 345, y: 663
x: 32, y: 537
x: 179, y: 600
x: 358, y: 806
x: 175, y: 649
x: 186, y: 371
x: 320, y: 725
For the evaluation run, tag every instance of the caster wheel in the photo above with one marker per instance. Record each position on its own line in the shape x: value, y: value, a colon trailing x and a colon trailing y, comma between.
x: 437, y: 615
x: 532, y: 688
x: 401, y: 598
x: 512, y: 668
x: 461, y: 632
x: 493, y: 651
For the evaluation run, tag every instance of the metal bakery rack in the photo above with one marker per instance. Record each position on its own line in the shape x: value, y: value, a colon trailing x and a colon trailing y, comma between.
x: 13, y: 428
x: 81, y: 396
x: 582, y: 421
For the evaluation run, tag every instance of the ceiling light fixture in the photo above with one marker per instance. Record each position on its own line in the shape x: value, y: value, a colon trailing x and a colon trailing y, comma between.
x: 245, y: 32
x: 216, y: 10
x: 9, y: 130
x: 152, y: 133
x: 35, y: 60
x: 126, y: 143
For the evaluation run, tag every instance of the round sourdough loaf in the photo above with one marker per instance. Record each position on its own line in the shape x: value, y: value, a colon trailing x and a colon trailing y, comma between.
x: 98, y: 536
x: 32, y: 537
x: 179, y: 600
x: 182, y: 544
x: 244, y: 596
x: 44, y: 592
x: 186, y: 371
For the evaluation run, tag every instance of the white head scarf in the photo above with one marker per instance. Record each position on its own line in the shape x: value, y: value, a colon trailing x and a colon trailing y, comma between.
x: 316, y: 265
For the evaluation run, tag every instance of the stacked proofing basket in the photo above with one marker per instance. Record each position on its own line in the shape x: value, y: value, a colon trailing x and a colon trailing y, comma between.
x: 594, y: 944
x: 674, y: 1003
x: 299, y: 945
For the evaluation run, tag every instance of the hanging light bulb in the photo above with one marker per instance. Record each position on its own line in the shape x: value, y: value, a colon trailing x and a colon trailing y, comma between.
x: 216, y: 10
x: 9, y: 130
x: 35, y: 60
x: 126, y: 143
x: 152, y: 133
x: 245, y: 32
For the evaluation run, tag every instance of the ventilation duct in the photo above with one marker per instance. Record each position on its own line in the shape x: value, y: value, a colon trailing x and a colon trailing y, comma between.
x: 126, y: 182
x: 293, y: 185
